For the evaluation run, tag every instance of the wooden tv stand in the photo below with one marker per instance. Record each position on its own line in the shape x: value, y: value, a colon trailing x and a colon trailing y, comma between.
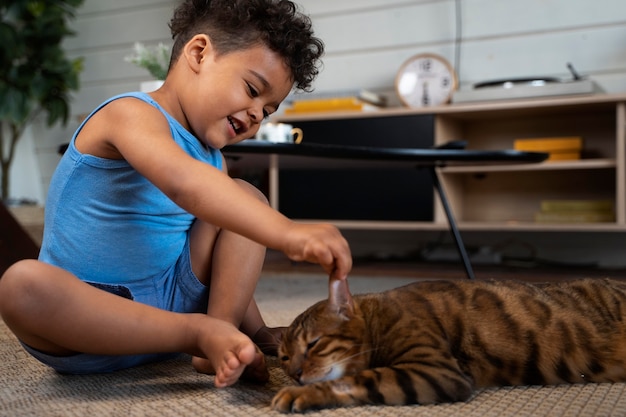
x: 504, y: 197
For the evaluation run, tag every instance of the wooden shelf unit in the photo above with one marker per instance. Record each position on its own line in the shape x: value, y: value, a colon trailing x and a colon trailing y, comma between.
x: 505, y: 197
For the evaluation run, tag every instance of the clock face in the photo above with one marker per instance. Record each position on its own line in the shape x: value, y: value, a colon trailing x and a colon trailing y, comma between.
x: 425, y: 80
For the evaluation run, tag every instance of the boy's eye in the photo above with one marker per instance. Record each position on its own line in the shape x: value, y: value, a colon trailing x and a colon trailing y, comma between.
x: 253, y: 91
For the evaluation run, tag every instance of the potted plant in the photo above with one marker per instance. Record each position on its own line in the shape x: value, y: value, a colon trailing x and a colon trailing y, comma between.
x: 36, y: 77
x: 155, y: 59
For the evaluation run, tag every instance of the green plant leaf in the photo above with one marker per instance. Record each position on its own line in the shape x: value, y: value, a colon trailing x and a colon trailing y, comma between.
x: 57, y: 109
x: 35, y: 73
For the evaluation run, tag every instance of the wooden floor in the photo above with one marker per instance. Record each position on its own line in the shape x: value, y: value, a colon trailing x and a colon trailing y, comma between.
x: 276, y: 262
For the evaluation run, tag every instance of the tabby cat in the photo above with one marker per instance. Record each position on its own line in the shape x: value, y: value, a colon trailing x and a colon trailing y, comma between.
x: 434, y: 342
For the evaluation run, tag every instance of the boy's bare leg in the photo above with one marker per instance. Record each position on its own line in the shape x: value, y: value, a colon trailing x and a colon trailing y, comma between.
x: 53, y: 311
x: 230, y: 265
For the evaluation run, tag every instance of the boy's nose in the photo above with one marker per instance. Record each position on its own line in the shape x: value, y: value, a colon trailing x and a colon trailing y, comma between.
x: 256, y: 114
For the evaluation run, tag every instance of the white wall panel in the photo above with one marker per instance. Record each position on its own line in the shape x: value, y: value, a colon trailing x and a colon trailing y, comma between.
x: 320, y: 8
x: 392, y: 27
x: 109, y: 66
x: 118, y: 6
x: 596, y: 50
x: 101, y: 31
x: 489, y: 18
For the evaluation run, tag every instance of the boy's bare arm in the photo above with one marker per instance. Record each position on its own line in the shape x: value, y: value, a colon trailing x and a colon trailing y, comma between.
x: 140, y: 134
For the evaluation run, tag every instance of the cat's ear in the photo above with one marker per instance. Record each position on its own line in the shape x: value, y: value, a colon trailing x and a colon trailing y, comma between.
x: 339, y: 298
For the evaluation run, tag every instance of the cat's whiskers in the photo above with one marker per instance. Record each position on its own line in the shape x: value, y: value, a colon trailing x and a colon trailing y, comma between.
x: 347, y: 358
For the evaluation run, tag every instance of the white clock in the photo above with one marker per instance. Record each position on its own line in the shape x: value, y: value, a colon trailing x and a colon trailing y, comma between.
x: 425, y: 80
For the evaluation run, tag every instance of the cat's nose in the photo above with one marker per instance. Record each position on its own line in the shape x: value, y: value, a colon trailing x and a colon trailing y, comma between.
x: 298, y: 375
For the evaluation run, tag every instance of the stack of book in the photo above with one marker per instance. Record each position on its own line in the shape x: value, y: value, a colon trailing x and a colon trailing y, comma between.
x: 362, y: 100
x: 560, y: 148
x: 576, y: 211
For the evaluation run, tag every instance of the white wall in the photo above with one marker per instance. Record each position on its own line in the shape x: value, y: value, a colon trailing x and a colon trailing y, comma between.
x: 366, y: 42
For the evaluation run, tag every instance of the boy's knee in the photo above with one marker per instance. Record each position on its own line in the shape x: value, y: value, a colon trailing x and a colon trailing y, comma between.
x: 16, y: 272
x: 18, y: 282
x: 252, y: 190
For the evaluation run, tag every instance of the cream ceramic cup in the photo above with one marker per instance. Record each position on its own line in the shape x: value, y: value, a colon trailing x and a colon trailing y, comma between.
x: 280, y: 133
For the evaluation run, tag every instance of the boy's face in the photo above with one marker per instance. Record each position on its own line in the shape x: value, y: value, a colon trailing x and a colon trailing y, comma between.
x: 232, y: 93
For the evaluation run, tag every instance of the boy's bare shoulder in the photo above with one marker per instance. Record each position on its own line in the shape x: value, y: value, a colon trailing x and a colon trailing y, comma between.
x: 130, y: 108
x: 117, y: 121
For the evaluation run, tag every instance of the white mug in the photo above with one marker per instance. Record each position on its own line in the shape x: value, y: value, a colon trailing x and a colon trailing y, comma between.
x: 279, y: 133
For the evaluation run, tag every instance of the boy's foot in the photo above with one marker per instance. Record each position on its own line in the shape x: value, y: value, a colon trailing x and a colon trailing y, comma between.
x: 256, y: 371
x: 228, y: 353
x: 268, y: 339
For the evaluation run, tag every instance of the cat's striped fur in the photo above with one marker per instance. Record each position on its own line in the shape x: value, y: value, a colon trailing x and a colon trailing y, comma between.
x: 432, y: 342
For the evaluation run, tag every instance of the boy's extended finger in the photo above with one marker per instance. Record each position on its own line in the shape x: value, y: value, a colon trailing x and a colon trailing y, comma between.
x: 342, y: 267
x: 336, y: 275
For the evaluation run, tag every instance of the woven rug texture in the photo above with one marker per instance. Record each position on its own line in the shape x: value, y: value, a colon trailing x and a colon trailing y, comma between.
x: 173, y: 388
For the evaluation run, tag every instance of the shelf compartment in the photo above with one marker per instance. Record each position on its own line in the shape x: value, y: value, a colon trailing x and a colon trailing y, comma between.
x: 512, y: 197
x: 489, y: 132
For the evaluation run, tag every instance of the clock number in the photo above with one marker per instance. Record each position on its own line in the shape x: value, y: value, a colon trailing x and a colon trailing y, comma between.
x: 425, y: 96
x: 445, y: 82
x: 426, y: 65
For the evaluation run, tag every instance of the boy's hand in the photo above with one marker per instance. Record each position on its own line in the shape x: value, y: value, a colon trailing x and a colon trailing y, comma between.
x: 322, y: 244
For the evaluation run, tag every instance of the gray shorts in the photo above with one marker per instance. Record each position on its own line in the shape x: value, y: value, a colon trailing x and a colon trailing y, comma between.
x: 178, y: 290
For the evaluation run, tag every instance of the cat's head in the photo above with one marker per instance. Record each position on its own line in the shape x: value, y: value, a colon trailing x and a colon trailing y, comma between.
x: 328, y: 340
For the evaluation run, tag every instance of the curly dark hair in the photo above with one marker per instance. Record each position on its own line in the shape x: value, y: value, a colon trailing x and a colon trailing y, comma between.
x: 239, y: 24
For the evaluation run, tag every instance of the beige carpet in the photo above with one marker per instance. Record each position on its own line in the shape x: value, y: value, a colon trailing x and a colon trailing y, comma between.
x: 174, y: 389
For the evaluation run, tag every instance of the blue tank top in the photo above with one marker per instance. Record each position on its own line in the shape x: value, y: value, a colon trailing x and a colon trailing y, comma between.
x: 107, y: 223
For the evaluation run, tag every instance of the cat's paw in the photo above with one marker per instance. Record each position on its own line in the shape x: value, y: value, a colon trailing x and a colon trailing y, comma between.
x: 286, y: 401
x: 298, y: 399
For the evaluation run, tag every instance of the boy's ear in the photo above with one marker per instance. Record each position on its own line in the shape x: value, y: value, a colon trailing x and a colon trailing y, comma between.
x: 339, y: 298
x: 196, y: 50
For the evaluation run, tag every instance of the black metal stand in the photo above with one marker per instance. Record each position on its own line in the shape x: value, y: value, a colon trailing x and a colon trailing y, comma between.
x: 452, y: 223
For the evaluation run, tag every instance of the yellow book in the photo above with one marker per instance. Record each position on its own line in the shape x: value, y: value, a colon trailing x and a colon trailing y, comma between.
x: 329, y: 104
x: 577, y: 205
x: 574, y: 217
x: 553, y: 144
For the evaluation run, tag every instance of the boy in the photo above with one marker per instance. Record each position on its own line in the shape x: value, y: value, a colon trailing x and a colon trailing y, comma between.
x: 149, y: 247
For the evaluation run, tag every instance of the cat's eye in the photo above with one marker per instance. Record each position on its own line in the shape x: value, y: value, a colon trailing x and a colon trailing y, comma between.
x: 284, y: 358
x: 312, y: 344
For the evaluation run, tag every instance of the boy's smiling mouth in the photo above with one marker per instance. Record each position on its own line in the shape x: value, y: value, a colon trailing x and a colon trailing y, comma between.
x: 235, y: 125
